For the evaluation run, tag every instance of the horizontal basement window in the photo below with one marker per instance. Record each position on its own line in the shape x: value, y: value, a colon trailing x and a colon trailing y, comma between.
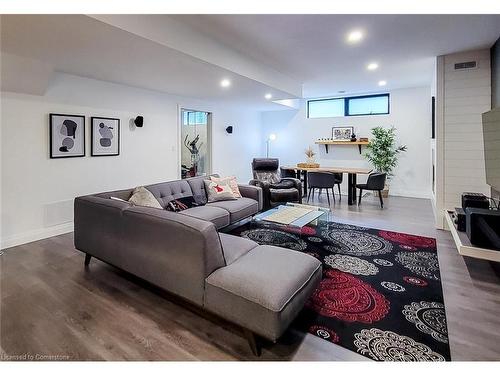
x: 366, y: 105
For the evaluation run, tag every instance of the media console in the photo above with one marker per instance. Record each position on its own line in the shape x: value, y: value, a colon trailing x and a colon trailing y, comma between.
x: 464, y: 246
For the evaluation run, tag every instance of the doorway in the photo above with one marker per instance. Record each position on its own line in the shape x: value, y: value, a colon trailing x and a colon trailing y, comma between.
x: 196, y: 143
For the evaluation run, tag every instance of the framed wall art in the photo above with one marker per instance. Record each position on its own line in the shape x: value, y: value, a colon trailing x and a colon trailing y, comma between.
x: 67, y: 136
x: 105, y: 136
x: 342, y: 133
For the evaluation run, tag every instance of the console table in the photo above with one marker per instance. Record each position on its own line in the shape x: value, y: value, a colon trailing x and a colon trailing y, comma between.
x: 351, y: 177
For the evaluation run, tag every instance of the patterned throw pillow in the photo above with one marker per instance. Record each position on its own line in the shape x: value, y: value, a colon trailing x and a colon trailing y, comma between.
x: 231, y: 181
x: 218, y: 191
x: 143, y: 197
x: 181, y: 204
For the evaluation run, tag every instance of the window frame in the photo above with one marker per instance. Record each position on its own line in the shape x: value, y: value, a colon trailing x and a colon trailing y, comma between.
x: 323, y: 100
x: 346, y: 100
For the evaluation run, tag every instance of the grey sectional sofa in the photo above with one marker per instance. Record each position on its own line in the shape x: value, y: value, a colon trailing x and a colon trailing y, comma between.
x: 260, y: 288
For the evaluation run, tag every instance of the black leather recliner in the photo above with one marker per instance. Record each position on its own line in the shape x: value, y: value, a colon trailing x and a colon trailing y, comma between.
x: 276, y: 190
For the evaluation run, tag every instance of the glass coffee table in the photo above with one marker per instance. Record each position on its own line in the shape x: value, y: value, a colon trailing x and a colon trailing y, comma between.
x: 313, y: 217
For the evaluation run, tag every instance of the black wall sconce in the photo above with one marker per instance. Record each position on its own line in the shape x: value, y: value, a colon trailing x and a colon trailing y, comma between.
x: 229, y: 129
x: 139, y: 121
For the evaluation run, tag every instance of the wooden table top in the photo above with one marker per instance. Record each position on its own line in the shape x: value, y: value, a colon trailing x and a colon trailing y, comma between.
x: 332, y: 169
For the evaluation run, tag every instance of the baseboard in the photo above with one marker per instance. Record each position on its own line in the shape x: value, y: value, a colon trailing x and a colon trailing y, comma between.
x: 396, y: 193
x: 35, y: 235
x: 410, y: 194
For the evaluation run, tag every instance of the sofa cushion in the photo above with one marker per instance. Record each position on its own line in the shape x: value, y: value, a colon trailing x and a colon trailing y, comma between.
x: 216, y: 215
x: 234, y: 247
x: 264, y: 289
x: 284, y: 195
x: 239, y: 209
x: 143, y: 197
x: 167, y: 191
x: 197, y: 185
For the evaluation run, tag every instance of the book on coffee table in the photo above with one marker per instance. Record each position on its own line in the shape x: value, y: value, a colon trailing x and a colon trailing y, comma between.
x: 287, y: 214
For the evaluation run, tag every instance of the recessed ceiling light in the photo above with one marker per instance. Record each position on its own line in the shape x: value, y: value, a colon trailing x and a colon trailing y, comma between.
x: 372, y: 66
x: 355, y: 36
x: 382, y: 83
x: 225, y: 83
x: 268, y: 96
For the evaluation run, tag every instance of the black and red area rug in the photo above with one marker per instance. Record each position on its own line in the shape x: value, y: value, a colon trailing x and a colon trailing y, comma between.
x: 381, y: 294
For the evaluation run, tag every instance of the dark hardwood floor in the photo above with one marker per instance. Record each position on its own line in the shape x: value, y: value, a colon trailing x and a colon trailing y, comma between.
x: 52, y: 306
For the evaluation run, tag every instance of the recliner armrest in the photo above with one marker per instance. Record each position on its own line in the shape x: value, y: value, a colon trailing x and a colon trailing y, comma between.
x: 297, y: 183
x: 253, y: 192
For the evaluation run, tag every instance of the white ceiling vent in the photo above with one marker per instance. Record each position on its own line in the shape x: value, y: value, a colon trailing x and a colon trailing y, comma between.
x: 466, y: 65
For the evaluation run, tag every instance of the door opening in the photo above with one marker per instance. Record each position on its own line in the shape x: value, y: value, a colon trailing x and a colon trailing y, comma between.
x: 195, y: 143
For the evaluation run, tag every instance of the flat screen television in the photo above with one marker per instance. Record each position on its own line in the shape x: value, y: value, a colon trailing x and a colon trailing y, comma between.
x: 491, y: 137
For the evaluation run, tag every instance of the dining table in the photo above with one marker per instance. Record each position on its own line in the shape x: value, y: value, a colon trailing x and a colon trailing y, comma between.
x: 351, y: 177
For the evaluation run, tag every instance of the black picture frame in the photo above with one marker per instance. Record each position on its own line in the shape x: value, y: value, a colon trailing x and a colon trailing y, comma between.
x: 93, y: 151
x: 343, y: 128
x: 55, y: 154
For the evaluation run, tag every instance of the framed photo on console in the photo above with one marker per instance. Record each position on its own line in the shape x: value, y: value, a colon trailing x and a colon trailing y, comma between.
x: 66, y: 136
x: 342, y: 133
x: 105, y: 136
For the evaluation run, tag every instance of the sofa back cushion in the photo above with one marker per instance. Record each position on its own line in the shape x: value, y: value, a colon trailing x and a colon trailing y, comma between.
x: 167, y: 191
x: 198, y: 188
x: 122, y: 194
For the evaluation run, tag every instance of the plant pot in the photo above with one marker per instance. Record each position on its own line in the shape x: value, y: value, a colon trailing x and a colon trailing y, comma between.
x: 311, y: 160
x: 385, y: 192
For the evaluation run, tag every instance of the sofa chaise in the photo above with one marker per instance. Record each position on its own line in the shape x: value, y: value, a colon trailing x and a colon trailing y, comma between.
x: 261, y: 288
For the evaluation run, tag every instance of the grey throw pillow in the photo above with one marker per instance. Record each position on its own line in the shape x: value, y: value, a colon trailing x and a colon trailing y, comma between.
x: 143, y: 197
x: 217, y: 191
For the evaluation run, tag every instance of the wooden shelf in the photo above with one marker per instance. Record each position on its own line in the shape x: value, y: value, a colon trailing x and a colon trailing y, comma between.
x: 343, y: 143
x: 464, y: 247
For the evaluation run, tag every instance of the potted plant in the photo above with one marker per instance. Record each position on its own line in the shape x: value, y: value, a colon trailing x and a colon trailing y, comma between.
x: 382, y: 152
x: 310, y: 155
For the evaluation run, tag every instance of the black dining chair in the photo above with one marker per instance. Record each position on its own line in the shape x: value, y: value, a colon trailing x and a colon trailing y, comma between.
x: 339, y: 177
x: 321, y: 180
x: 375, y: 182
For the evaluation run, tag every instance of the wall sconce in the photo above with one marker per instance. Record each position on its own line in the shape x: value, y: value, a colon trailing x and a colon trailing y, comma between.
x: 139, y: 121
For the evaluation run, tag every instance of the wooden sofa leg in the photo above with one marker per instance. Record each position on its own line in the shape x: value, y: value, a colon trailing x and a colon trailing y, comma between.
x: 87, y: 259
x: 253, y: 341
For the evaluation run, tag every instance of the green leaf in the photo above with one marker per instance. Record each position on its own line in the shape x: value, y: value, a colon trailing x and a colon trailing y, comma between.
x: 382, y: 151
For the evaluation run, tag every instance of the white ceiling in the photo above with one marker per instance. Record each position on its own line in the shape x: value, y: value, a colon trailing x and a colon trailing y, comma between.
x: 188, y: 55
x: 312, y: 48
x: 84, y: 46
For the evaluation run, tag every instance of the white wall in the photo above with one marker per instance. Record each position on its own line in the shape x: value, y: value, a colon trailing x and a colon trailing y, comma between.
x: 37, y: 191
x: 410, y: 114
x: 463, y: 96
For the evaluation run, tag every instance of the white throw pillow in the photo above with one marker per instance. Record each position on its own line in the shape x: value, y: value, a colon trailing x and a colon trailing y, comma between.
x: 143, y: 197
x: 231, y: 181
x: 218, y: 191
